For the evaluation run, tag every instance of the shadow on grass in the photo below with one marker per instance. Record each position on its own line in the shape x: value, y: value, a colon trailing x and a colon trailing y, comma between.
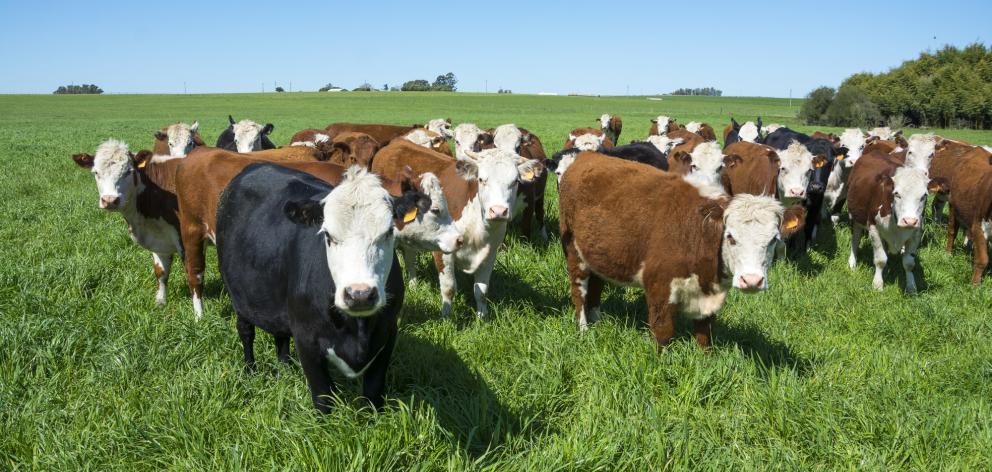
x: 894, y: 272
x: 754, y: 343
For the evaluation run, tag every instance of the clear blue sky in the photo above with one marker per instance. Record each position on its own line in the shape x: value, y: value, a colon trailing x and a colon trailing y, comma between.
x: 743, y: 48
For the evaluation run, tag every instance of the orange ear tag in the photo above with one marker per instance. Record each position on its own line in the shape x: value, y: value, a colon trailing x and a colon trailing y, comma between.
x: 142, y: 164
x: 410, y: 215
x: 792, y: 224
x: 529, y: 175
x: 820, y: 164
x: 840, y: 157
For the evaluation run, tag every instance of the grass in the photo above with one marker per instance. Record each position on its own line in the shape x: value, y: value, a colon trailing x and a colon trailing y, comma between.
x: 819, y: 372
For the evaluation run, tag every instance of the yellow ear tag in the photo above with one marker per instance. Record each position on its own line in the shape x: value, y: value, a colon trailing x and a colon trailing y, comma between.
x: 820, y: 164
x: 142, y: 164
x: 792, y: 224
x: 410, y: 215
x: 840, y: 157
x: 529, y: 175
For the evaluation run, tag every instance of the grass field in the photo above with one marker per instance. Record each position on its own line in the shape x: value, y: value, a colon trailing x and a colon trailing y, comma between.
x: 819, y: 372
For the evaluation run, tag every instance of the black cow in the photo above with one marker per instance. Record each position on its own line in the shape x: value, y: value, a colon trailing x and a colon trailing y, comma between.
x: 733, y: 134
x: 319, y: 270
x: 245, y: 136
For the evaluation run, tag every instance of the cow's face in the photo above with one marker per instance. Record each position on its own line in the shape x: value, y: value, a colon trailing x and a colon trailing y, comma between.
x: 587, y: 142
x: 432, y: 230
x: 180, y: 137
x: 508, y: 137
x: 854, y: 140
x: 753, y: 227
x: 498, y: 173
x: 909, y: 195
x: 796, y: 165
x: 707, y: 163
x: 560, y: 162
x: 884, y: 133
x: 662, y: 122
x: 920, y: 150
x: 664, y: 143
x: 248, y: 135
x: 604, y: 121
x: 466, y: 137
x: 749, y: 132
x: 114, y: 169
x: 441, y: 126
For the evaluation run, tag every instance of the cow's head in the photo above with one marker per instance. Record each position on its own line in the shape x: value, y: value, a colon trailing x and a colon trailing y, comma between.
x: 180, y: 138
x: 508, y: 137
x: 431, y: 230
x: 358, y: 222
x: 885, y: 133
x: 920, y: 149
x: 706, y: 163
x: 441, y: 126
x: 750, y: 132
x: 498, y: 173
x: 115, y: 170
x: 908, y: 190
x: 426, y: 138
x: 664, y: 144
x: 560, y: 162
x: 854, y: 140
x: 248, y: 135
x: 796, y: 166
x: 587, y: 142
x: 662, y: 123
x: 752, y: 228
x: 353, y: 149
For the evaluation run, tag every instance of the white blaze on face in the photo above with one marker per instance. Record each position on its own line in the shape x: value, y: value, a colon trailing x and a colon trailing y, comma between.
x: 795, y: 170
x: 358, y: 231
x: 909, y: 196
x: 440, y: 126
x: 920, y: 150
x: 883, y: 132
x: 587, y: 142
x: 508, y: 137
x: 499, y: 174
x: 434, y: 230
x: 693, y: 126
x: 664, y: 143
x: 180, y: 137
x: 604, y: 121
x: 707, y: 163
x: 748, y: 132
x: 466, y: 134
x: 247, y: 136
x: 113, y: 169
x: 751, y: 233
x: 662, y: 122
x: 854, y: 140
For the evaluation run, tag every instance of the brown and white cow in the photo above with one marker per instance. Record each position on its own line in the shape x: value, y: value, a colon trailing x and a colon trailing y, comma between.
x: 202, y: 177
x: 481, y: 192
x: 530, y: 195
x: 441, y: 126
x: 469, y: 137
x: 383, y: 134
x: 683, y: 244
x: 947, y: 162
x: 587, y: 139
x: 750, y: 168
x: 971, y: 207
x: 662, y: 125
x: 310, y: 137
x: 177, y: 139
x: 704, y: 130
x: 887, y: 198
x: 611, y: 125
x: 142, y: 189
x: 429, y: 139
x: 346, y: 148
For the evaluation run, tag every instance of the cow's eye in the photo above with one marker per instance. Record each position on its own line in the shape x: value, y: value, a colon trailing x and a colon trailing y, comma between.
x: 483, y: 181
x: 693, y: 167
x: 330, y: 239
x: 896, y: 194
x: 436, y: 211
x: 731, y: 240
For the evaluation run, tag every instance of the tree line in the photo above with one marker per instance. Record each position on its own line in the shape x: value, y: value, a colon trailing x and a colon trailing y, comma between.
x: 950, y: 88
x: 443, y: 83
x: 78, y: 89
x: 705, y: 91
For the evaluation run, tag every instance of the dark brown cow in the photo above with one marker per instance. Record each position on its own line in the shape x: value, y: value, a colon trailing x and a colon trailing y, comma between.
x: 947, y: 160
x: 141, y: 187
x: 704, y: 130
x: 829, y: 137
x: 675, y: 240
x: 346, y: 148
x: 750, y: 168
x: 383, y: 134
x: 177, y: 139
x: 663, y: 123
x: 611, y: 125
x: 971, y: 207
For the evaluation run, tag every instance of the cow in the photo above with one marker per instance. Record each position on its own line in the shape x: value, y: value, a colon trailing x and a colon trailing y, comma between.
x: 468, y: 137
x: 971, y: 207
x: 611, y: 125
x: 441, y: 127
x: 587, y: 139
x: 920, y: 150
x: 481, y: 192
x: 887, y: 198
x: 203, y: 176
x: 705, y: 162
x: 347, y: 148
x: 245, y: 136
x: 702, y: 129
x: 853, y: 141
x: 177, y: 139
x: 769, y: 129
x: 141, y: 187
x: 530, y: 194
x: 947, y: 160
x: 662, y: 125
x: 645, y: 152
x: 677, y: 241
x: 383, y: 134
x: 885, y: 133
x: 310, y: 137
x: 306, y: 260
x: 429, y: 139
x: 805, y: 166
x: 750, y: 168
x: 749, y: 132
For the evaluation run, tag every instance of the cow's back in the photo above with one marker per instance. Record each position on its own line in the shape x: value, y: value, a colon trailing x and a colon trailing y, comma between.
x: 865, y: 198
x: 383, y: 134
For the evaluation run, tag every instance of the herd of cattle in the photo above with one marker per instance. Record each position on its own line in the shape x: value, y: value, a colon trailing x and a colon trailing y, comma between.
x: 306, y: 233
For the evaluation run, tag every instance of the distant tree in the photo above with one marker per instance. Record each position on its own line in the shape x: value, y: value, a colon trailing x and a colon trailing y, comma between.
x: 385, y: 87
x: 327, y: 87
x: 814, y: 109
x: 418, y: 85
x: 852, y: 107
x: 705, y: 91
x: 445, y: 83
x: 504, y: 91
x: 78, y: 90
x: 366, y: 87
x: 280, y: 89
x: 394, y: 89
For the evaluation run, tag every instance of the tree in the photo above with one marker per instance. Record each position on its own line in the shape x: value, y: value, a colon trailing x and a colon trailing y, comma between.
x: 385, y: 87
x: 852, y: 107
x: 814, y: 109
x: 78, y: 89
x: 280, y: 89
x: 366, y: 87
x: 445, y: 83
x: 418, y: 85
x: 326, y: 87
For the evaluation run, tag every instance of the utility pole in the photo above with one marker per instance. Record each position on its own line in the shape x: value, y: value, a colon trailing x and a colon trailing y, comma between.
x: 263, y: 87
x: 790, y: 99
x: 290, y: 85
x: 487, y: 85
x: 184, y: 87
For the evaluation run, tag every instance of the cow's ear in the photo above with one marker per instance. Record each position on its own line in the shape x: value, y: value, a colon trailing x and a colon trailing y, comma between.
x: 195, y: 126
x: 467, y: 170
x: 406, y: 180
x: 83, y: 159
x: 938, y: 184
x: 159, y: 135
x: 654, y: 120
x: 530, y: 170
x: 341, y: 146
x: 885, y: 184
x: 267, y: 128
x: 408, y: 206
x: 732, y: 160
x: 304, y: 212
x: 734, y: 123
x: 901, y: 141
x: 792, y: 221
x: 230, y: 119
x: 142, y: 158
x: 871, y: 139
x: 840, y: 153
x: 683, y: 157
x: 940, y: 145
x: 819, y: 161
x: 448, y: 120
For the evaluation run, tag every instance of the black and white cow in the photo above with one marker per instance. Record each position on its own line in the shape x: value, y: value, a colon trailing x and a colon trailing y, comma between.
x: 749, y: 132
x: 645, y: 152
x: 306, y: 260
x: 245, y: 136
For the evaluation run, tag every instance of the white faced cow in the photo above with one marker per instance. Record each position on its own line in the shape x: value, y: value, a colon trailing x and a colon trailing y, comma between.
x: 435, y: 227
x: 245, y: 136
x: 920, y: 150
x: 177, y: 139
x: 441, y: 126
x: 749, y: 132
x: 707, y: 164
x: 795, y: 169
x: 854, y: 140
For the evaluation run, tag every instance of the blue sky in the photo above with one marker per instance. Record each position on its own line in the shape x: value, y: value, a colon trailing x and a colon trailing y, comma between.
x: 743, y: 48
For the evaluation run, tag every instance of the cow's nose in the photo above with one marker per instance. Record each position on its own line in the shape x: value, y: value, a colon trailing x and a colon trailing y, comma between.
x: 908, y: 222
x: 797, y: 192
x: 752, y: 281
x: 817, y: 187
x: 497, y: 212
x: 360, y: 296
x: 109, y: 201
x: 459, y: 242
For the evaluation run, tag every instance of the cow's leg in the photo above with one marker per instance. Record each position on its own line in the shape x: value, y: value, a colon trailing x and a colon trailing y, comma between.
x: 952, y: 229
x: 528, y: 214
x: 703, y: 330
x: 909, y: 260
x: 980, y: 249
x: 374, y: 379
x: 880, y: 256
x: 856, y: 231
x: 410, y: 262
x: 939, y: 200
x: 542, y: 183
x: 594, y: 295
x: 314, y: 361
x: 282, y: 348
x: 661, y: 314
x: 578, y: 279
x: 445, y: 264
x: 246, y: 331
x: 194, y: 262
x: 163, y: 265
x: 481, y: 286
